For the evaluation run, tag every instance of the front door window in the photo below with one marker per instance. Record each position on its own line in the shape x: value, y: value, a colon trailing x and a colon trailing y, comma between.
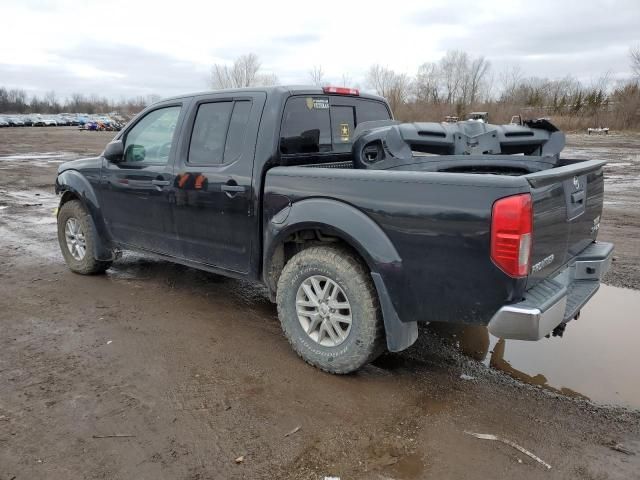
x: 150, y: 140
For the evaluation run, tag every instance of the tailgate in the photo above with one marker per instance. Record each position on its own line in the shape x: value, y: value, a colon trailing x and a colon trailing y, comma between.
x: 567, y: 204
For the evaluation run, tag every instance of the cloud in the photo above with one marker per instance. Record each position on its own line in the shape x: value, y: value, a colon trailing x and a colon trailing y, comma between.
x: 120, y: 47
x: 299, y: 38
x: 111, y: 71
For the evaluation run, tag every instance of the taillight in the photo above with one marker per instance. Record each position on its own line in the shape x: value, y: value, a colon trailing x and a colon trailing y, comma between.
x: 511, y: 230
x: 341, y: 90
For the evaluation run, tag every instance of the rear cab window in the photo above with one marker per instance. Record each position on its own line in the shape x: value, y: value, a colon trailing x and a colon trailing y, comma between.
x: 325, y: 123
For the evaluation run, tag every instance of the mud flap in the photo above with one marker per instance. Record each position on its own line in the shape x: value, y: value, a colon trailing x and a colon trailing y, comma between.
x: 101, y: 250
x: 400, y: 335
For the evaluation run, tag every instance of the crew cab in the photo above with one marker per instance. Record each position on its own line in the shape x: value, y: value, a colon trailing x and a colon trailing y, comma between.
x: 358, y: 225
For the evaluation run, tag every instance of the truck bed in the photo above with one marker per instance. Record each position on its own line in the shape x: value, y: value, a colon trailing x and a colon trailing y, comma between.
x: 442, y: 224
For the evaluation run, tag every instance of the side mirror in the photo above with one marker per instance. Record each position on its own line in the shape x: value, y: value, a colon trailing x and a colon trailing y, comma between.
x: 114, y: 152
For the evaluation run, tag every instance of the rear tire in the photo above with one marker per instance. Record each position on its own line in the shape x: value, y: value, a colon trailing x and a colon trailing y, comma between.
x: 76, y: 236
x: 329, y: 309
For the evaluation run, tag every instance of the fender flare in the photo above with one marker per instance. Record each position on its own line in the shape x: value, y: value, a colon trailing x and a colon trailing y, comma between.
x: 72, y: 181
x: 360, y: 232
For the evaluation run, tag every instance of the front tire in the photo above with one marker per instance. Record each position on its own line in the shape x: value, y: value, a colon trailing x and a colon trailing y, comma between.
x: 76, y: 237
x: 329, y: 310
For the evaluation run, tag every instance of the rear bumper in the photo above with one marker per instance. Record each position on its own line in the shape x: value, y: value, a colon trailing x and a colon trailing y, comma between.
x: 554, y: 300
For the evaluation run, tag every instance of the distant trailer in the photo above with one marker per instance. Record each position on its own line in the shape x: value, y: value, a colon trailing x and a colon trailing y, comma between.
x: 598, y: 131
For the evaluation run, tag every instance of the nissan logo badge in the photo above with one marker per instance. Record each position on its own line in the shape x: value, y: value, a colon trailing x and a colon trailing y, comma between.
x: 576, y: 182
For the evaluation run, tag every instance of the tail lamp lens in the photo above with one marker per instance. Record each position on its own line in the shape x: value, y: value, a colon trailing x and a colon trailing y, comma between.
x: 511, y: 234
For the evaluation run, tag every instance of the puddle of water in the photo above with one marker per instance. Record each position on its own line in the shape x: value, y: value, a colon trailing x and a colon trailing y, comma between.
x: 36, y: 156
x: 34, y: 159
x: 597, y: 358
x: 619, y: 164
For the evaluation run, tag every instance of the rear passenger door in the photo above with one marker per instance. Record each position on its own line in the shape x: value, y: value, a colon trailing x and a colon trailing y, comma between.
x: 214, y: 210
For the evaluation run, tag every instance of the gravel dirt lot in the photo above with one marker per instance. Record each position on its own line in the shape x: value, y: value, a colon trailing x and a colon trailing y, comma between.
x: 194, y: 370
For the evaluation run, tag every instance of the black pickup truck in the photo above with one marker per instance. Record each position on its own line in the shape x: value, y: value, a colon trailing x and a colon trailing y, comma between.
x: 358, y: 225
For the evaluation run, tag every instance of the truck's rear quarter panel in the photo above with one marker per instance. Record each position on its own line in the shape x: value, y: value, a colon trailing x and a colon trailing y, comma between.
x: 438, y: 222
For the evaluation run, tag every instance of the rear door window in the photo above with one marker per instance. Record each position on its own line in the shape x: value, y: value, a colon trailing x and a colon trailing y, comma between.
x: 219, y: 132
x: 237, y: 129
x: 209, y: 133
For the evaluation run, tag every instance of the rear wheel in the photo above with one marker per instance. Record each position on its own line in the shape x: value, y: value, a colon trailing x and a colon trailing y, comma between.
x: 76, y: 237
x: 329, y: 309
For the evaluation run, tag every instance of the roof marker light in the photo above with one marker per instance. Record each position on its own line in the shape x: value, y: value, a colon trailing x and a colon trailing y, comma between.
x: 341, y: 90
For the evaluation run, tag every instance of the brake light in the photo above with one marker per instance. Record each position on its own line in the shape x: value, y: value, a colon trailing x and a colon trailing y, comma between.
x: 511, y: 231
x: 341, y: 90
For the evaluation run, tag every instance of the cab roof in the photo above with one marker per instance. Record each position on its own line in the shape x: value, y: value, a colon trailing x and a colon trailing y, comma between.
x: 282, y: 90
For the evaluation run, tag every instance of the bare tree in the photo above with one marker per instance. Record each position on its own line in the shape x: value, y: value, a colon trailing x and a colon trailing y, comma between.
x: 316, y: 74
x: 634, y: 54
x: 13, y: 100
x: 453, y: 68
x: 475, y: 79
x: 393, y: 86
x: 346, y: 80
x: 52, y: 101
x: 510, y: 79
x: 427, y: 84
x: 243, y: 73
x: 267, y: 80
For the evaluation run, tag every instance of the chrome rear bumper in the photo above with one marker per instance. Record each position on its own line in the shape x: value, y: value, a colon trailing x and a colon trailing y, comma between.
x: 554, y: 300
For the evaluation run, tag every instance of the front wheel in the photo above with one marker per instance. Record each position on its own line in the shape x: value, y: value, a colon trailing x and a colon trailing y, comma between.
x: 76, y: 237
x: 329, y: 309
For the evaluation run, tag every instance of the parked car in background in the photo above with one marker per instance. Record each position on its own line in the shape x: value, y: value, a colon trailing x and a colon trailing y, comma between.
x: 15, y: 122
x: 49, y: 122
x: 3, y: 123
x: 28, y: 121
x: 38, y: 121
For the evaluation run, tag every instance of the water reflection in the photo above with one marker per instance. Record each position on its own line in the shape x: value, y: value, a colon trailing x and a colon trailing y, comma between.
x: 596, y: 359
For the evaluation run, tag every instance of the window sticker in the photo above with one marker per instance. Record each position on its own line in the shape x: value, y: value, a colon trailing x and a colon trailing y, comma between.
x: 317, y: 103
x: 344, y: 132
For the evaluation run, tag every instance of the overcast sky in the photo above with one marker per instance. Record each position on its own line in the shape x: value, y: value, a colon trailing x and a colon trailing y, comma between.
x: 127, y: 48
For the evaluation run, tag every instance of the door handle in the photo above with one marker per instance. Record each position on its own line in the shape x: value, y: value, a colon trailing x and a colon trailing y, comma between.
x: 160, y: 183
x: 578, y: 197
x: 231, y: 188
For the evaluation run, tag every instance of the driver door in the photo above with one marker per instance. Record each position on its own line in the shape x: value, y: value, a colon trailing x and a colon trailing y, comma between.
x: 138, y: 192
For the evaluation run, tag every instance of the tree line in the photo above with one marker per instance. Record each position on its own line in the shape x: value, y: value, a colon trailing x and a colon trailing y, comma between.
x: 16, y: 100
x: 460, y: 83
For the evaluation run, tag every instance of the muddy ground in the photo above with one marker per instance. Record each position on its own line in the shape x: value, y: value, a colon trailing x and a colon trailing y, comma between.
x: 194, y: 370
x: 621, y: 216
